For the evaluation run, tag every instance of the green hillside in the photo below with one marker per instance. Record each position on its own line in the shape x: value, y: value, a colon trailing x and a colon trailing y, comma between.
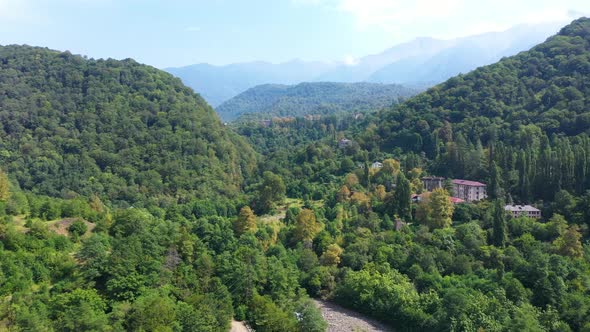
x: 530, y: 113
x: 463, y: 267
x: 322, y: 98
x: 125, y: 205
x: 124, y: 131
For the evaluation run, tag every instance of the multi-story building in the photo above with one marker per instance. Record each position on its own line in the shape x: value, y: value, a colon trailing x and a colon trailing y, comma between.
x: 469, y: 190
x: 523, y: 211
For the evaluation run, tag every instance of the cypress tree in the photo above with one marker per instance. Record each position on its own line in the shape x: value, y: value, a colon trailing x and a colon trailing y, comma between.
x: 402, y: 196
x: 500, y: 234
x: 494, y: 188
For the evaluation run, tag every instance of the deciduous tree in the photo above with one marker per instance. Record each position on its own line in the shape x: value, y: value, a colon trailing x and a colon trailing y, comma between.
x: 246, y: 221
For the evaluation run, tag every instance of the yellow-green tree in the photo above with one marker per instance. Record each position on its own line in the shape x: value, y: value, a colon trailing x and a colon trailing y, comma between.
x: 4, y: 186
x: 331, y: 257
x: 343, y: 194
x: 390, y: 166
x: 569, y: 243
x: 436, y: 209
x: 380, y: 192
x: 246, y: 221
x: 351, y: 180
x: 441, y: 209
x: 306, y: 226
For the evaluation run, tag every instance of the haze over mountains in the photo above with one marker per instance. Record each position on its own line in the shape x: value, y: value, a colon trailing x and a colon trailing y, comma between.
x: 420, y: 62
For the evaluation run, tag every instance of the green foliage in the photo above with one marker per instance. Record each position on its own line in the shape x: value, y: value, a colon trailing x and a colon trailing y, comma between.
x: 270, y: 192
x: 116, y: 129
x: 173, y: 262
x: 392, y: 296
x: 402, y: 197
x: 80, y: 310
x: 77, y: 228
x: 265, y: 101
x: 500, y: 228
x: 268, y: 317
x: 4, y: 186
x: 528, y: 114
x: 310, y: 318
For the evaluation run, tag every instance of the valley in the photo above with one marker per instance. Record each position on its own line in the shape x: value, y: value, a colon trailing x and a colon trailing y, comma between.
x: 127, y: 204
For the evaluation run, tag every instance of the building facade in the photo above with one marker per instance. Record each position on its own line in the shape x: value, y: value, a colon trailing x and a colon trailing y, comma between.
x: 469, y: 191
x: 432, y: 182
x: 523, y: 211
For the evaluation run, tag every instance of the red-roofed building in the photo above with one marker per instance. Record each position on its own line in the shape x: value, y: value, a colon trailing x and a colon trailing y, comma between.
x: 469, y: 190
x: 457, y: 200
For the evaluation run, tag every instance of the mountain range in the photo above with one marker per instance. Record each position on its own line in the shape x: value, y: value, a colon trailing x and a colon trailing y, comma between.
x: 421, y: 62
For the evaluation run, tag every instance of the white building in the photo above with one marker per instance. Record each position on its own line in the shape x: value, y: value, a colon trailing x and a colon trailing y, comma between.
x: 469, y: 190
x: 523, y: 211
x: 377, y: 165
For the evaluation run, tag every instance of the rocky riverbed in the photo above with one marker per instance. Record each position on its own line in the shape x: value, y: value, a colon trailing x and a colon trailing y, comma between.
x: 343, y: 320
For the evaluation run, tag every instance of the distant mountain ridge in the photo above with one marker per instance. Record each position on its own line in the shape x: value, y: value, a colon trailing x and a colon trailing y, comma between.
x: 220, y: 83
x: 313, y: 98
x: 420, y: 62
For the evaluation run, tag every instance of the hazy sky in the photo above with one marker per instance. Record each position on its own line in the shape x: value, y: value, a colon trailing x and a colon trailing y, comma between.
x: 180, y: 32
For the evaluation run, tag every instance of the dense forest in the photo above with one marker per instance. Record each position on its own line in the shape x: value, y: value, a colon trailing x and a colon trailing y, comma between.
x: 117, y: 129
x: 455, y: 267
x: 528, y: 113
x: 323, y: 98
x: 270, y: 215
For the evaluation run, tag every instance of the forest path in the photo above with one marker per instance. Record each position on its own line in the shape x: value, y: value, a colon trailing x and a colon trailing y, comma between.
x: 343, y: 320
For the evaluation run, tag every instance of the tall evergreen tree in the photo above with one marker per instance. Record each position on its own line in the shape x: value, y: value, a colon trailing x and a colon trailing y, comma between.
x: 402, y: 197
x: 500, y: 231
x: 494, y: 187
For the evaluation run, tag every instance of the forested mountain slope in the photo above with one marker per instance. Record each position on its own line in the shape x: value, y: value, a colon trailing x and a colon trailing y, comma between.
x: 117, y: 129
x: 431, y: 265
x: 80, y: 141
x: 530, y: 113
x: 313, y: 98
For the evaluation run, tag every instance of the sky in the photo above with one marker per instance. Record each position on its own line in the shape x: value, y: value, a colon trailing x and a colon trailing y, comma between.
x: 182, y: 32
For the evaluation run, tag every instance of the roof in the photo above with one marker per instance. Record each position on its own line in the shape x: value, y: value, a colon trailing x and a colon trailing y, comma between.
x: 521, y: 208
x: 457, y: 200
x: 468, y: 183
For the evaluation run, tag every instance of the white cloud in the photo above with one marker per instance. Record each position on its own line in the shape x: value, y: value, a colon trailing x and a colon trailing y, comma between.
x: 350, y: 60
x: 452, y: 18
x: 393, y: 14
